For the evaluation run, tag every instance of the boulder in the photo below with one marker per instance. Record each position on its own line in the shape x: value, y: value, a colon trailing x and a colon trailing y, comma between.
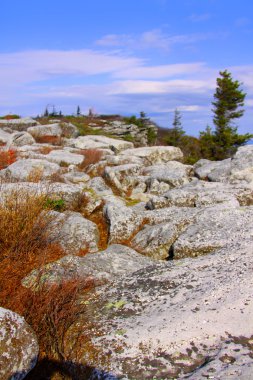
x: 45, y: 130
x: 74, y: 233
x: 114, y: 262
x: 4, y: 137
x: 155, y: 154
x: 18, y: 124
x: 20, y: 139
x: 201, y: 193
x: 173, y: 173
x: 63, y: 157
x: 171, y: 320
x: 100, y: 187
x: 215, y: 227
x: 19, y: 347
x: 31, y: 169
x: 215, y: 171
x: 123, y: 222
x: 122, y: 176
x: 98, y: 142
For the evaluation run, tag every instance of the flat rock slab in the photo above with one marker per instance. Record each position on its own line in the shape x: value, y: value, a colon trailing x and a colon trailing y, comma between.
x: 114, y: 262
x: 99, y: 142
x: 215, y: 227
x: 18, y: 346
x: 170, y: 320
x: 31, y: 168
x: 155, y: 154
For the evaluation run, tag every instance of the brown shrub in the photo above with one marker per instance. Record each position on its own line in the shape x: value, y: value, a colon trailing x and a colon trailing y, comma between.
x: 7, y: 157
x: 91, y: 157
x: 53, y: 140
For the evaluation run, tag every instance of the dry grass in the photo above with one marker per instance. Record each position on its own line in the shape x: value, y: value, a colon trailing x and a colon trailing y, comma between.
x: 91, y: 157
x: 24, y: 246
x: 53, y: 140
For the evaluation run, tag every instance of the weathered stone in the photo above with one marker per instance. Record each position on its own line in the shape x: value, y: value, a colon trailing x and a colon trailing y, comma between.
x: 201, y: 193
x: 99, y: 186
x: 4, y: 136
x: 69, y: 130
x: 45, y: 130
x: 173, y: 173
x: 63, y: 157
x: 215, y: 227
x: 155, y: 154
x: 18, y: 124
x: 116, y: 261
x: 74, y: 233
x: 28, y: 169
x: 18, y: 346
x: 216, y: 171
x: 98, y: 142
x: 122, y: 221
x: 20, y: 139
x: 167, y: 320
x: 121, y: 176
x: 156, y: 240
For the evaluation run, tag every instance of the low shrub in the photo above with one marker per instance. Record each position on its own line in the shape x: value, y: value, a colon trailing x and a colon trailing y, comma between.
x: 53, y: 140
x: 55, y: 204
x: 7, y: 157
x: 91, y: 157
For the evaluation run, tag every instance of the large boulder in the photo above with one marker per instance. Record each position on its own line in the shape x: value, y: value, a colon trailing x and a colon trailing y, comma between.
x: 216, y: 171
x: 64, y: 157
x: 171, y: 320
x: 98, y: 142
x: 18, y: 124
x: 45, y: 130
x: 20, y: 139
x: 173, y: 173
x: 215, y: 227
x: 74, y: 233
x: 202, y: 193
x: 121, y: 177
x: 155, y: 154
x: 4, y: 137
x: 123, y: 222
x: 31, y: 169
x: 114, y: 262
x: 18, y: 346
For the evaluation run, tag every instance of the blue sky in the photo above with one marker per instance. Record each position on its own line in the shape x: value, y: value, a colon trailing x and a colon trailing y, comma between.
x: 125, y: 57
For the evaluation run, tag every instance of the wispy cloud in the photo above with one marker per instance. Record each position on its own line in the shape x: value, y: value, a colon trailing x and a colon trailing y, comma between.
x: 153, y: 39
x: 242, y: 21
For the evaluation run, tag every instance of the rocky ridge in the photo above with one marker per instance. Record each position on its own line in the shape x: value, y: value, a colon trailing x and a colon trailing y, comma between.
x: 173, y: 273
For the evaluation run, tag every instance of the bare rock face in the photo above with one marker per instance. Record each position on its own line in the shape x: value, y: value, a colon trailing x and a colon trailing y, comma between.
x: 18, y: 346
x: 101, y: 267
x: 27, y: 169
x: 156, y: 154
x: 20, y: 139
x: 171, y: 320
x: 98, y: 142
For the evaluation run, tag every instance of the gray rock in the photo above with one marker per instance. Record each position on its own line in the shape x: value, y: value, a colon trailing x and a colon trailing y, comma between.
x: 123, y: 222
x: 99, y: 186
x: 215, y: 227
x: 4, y: 136
x: 45, y: 130
x: 20, y: 139
x: 172, y: 320
x: 155, y: 154
x: 19, y: 347
x: 18, y: 124
x: 74, y: 233
x: 114, y: 262
x: 173, y: 173
x: 216, y: 171
x: 121, y: 176
x: 69, y: 130
x: 201, y: 193
x: 98, y: 142
x: 28, y: 169
x: 62, y: 157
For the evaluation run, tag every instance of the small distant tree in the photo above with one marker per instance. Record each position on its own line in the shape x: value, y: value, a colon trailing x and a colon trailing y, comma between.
x: 175, y: 134
x: 228, y: 103
x: 78, y: 111
x: 46, y: 113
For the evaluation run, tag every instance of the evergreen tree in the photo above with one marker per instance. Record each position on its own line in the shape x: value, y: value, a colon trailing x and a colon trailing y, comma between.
x: 229, y: 100
x: 78, y: 111
x: 46, y: 113
x: 175, y: 134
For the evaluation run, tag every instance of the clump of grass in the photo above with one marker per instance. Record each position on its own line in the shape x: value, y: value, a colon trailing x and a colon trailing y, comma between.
x: 91, y: 157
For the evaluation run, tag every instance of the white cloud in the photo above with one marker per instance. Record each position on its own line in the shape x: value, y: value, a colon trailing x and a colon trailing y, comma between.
x: 153, y: 39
